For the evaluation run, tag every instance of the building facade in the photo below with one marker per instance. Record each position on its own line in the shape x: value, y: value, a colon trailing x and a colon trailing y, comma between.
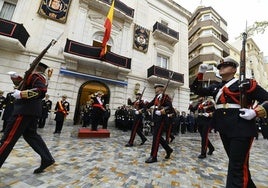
x: 148, y: 44
x: 255, y: 61
x: 207, y: 43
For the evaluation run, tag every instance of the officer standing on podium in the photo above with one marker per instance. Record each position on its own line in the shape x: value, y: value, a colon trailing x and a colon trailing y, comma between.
x: 236, y: 125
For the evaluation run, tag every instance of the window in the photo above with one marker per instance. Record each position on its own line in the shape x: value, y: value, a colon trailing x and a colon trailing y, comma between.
x: 7, y: 9
x: 206, y: 17
x: 97, y: 41
x: 162, y: 61
x: 164, y: 23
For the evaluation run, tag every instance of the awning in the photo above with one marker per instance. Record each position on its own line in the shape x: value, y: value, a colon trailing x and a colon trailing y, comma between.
x: 91, y: 77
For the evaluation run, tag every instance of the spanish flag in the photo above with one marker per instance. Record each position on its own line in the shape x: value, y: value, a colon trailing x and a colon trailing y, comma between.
x: 108, y: 28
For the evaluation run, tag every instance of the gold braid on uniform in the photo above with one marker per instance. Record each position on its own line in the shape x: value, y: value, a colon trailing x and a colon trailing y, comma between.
x: 261, y: 110
x: 27, y: 94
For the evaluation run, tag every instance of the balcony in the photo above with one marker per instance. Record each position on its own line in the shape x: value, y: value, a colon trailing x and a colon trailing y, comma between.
x: 122, y: 11
x: 210, y: 40
x: 165, y: 33
x: 158, y: 74
x: 86, y: 54
x: 13, y: 35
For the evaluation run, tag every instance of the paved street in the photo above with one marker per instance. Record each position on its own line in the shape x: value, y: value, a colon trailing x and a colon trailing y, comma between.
x: 107, y: 163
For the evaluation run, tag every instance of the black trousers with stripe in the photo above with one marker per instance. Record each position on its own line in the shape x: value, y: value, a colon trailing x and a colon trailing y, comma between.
x: 238, y: 150
x: 137, y: 128
x: 158, y: 138
x: 26, y: 126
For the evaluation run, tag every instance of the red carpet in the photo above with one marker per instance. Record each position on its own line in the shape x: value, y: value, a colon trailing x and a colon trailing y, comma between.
x: 84, y: 132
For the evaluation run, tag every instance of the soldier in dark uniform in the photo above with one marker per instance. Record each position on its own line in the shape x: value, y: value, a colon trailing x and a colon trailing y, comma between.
x: 138, y: 107
x: 2, y: 103
x: 9, y: 105
x: 98, y: 108
x: 62, y: 109
x: 87, y: 114
x: 163, y: 105
x: 205, y: 109
x: 236, y: 125
x: 170, y: 125
x: 46, y: 107
x: 27, y: 109
x: 2, y: 99
x: 106, y: 116
x: 183, y: 122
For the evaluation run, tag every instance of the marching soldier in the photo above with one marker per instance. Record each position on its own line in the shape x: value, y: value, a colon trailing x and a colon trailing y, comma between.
x: 236, y: 125
x: 137, y: 127
x: 62, y: 109
x: 170, y: 125
x: 163, y: 105
x: 205, y: 109
x: 27, y: 109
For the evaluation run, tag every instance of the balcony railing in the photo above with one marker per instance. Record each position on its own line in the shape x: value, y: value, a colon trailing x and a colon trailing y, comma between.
x: 14, y: 30
x: 87, y: 51
x: 122, y: 7
x: 165, y: 33
x: 164, y: 73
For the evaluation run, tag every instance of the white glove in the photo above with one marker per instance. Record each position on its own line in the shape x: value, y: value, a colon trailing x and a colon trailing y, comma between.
x: 202, y: 68
x: 16, y: 94
x: 157, y: 112
x: 145, y: 101
x: 247, y: 114
x: 137, y: 112
x: 206, y: 114
x: 13, y: 74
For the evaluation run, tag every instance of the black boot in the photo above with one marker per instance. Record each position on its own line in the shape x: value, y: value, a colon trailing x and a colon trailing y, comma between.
x: 43, y: 166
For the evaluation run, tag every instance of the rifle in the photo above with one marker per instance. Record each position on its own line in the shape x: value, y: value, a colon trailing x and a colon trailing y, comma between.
x: 35, y: 63
x: 242, y: 73
x: 169, y: 78
x: 165, y: 87
x: 142, y: 93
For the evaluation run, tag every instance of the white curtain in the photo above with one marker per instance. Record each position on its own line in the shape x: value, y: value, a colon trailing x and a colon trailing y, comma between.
x: 7, y: 11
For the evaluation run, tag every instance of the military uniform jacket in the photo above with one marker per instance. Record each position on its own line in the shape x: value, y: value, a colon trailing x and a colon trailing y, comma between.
x: 9, y: 106
x: 160, y: 102
x: 32, y: 106
x: 98, y: 107
x: 202, y: 108
x: 62, y: 109
x: 2, y: 102
x: 46, y: 106
x: 227, y: 120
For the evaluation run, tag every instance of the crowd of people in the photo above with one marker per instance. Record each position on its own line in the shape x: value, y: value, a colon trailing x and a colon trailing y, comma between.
x: 183, y: 122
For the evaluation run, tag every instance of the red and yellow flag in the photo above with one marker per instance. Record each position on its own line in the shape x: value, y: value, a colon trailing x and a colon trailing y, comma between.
x: 108, y: 28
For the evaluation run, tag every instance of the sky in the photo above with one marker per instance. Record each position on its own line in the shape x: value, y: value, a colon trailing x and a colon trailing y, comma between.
x: 237, y: 14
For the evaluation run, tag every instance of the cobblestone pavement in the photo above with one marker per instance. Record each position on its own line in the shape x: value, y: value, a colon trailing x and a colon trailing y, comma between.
x: 105, y: 162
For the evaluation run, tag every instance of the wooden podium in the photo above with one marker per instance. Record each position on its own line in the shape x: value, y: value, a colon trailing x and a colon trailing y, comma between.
x: 85, y: 132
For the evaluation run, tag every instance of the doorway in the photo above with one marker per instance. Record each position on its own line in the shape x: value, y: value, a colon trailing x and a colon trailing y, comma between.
x: 86, y: 91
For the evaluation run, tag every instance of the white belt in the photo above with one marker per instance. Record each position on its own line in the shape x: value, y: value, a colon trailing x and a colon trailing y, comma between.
x: 227, y: 105
x: 201, y: 114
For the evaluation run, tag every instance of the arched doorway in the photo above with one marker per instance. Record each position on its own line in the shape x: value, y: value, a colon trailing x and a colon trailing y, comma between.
x: 85, y: 92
